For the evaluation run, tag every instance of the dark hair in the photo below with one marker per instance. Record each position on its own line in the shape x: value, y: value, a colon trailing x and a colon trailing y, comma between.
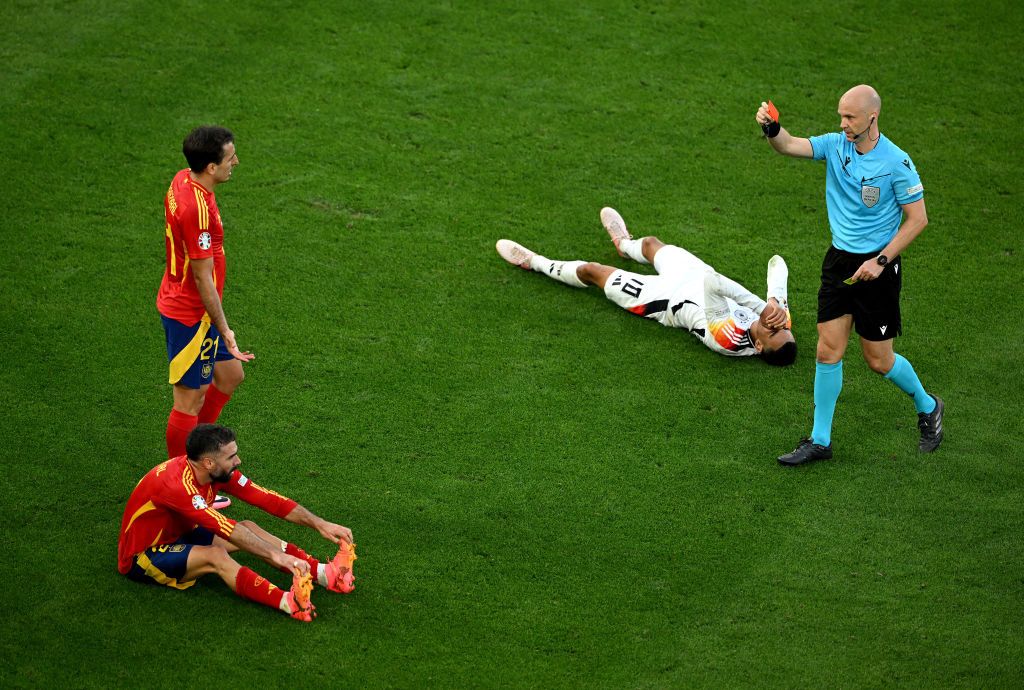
x: 782, y: 356
x: 206, y: 439
x: 205, y: 145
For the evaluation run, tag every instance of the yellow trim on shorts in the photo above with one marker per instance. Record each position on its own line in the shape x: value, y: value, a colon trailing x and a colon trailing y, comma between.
x: 147, y: 565
x: 188, y: 355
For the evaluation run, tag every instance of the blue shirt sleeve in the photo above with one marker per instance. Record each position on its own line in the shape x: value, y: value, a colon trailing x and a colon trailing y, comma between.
x: 906, y: 183
x: 823, y: 144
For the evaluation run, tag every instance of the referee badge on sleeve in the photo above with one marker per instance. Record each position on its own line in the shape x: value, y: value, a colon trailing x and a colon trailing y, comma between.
x: 869, y: 195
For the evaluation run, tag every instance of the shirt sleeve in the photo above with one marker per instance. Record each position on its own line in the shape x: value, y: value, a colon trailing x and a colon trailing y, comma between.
x: 717, y: 287
x: 270, y: 501
x: 906, y: 183
x: 193, y: 507
x: 823, y: 144
x: 194, y: 220
x: 724, y: 334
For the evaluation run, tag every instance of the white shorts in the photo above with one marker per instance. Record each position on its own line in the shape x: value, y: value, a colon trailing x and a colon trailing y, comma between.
x: 680, y: 279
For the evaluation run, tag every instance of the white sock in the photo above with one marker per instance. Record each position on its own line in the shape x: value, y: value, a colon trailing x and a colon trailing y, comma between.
x: 778, y: 278
x: 321, y: 575
x: 284, y: 603
x: 634, y: 249
x: 562, y: 271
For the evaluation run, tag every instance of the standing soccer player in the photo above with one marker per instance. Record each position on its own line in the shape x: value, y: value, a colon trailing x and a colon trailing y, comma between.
x: 201, y: 346
x: 875, y: 203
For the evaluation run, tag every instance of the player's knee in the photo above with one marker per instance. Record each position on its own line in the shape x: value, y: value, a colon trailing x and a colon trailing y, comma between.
x: 827, y: 354
x: 879, y: 365
x: 228, y: 377
x: 587, y: 272
x: 651, y: 246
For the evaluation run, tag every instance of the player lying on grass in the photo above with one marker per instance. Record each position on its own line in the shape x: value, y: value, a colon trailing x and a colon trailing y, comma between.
x: 171, y: 535
x: 686, y: 293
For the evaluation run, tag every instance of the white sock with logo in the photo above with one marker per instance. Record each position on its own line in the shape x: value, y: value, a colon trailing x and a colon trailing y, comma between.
x: 634, y: 249
x: 562, y: 271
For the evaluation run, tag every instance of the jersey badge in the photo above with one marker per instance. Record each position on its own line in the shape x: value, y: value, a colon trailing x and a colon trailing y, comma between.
x: 198, y: 502
x: 869, y: 195
x: 207, y: 370
x: 204, y: 240
x: 915, y: 189
x: 242, y: 480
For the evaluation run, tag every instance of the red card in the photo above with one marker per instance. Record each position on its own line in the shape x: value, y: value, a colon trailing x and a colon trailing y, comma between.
x: 773, y: 112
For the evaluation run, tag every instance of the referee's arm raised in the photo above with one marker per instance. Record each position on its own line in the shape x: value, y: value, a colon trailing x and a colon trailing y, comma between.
x: 784, y: 142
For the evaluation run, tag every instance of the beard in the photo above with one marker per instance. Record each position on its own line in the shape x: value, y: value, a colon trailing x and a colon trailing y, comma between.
x: 222, y: 477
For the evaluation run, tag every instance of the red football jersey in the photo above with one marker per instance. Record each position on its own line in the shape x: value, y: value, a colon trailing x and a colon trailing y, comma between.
x: 168, y: 502
x: 193, y: 231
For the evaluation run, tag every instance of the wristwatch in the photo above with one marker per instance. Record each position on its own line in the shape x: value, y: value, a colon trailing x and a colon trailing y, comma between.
x: 882, y: 259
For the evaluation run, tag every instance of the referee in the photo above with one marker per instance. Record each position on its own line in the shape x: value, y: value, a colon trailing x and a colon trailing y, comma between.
x: 875, y: 203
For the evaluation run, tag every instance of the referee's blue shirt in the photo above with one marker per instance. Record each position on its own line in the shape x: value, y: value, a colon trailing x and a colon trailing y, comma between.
x: 864, y: 192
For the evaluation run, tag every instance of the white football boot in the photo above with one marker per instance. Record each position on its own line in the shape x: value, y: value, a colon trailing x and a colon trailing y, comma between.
x: 616, y: 227
x: 515, y: 253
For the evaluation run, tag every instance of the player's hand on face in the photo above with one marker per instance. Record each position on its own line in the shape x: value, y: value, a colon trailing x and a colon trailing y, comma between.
x: 336, y: 533
x: 774, y: 316
x: 869, y: 270
x: 232, y: 346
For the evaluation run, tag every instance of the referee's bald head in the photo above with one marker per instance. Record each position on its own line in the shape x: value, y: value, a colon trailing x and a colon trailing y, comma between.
x: 862, y: 98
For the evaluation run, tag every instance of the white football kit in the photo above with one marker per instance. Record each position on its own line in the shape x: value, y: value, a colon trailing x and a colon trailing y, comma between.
x: 688, y: 293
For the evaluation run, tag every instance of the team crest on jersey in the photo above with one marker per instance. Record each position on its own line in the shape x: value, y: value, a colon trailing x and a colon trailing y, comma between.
x: 207, y: 370
x: 204, y: 240
x: 176, y: 548
x: 198, y: 502
x: 869, y: 195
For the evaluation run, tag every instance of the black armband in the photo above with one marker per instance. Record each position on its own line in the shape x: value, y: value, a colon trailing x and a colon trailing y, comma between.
x: 772, y: 129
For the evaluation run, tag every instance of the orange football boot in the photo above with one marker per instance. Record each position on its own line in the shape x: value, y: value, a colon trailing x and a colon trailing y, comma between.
x: 339, y: 571
x: 299, y: 597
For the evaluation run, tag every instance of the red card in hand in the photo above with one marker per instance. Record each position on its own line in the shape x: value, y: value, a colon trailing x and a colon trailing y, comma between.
x: 773, y: 112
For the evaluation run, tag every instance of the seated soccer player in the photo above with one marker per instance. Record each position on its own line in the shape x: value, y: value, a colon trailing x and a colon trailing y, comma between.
x: 171, y: 535
x: 686, y: 293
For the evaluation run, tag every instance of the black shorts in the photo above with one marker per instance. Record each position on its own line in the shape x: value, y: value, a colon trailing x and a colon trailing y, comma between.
x: 874, y: 304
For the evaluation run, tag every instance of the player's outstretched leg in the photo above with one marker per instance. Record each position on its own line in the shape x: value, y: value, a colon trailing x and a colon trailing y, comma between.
x: 624, y: 243
x: 298, y: 598
x: 518, y: 255
x: 339, y: 571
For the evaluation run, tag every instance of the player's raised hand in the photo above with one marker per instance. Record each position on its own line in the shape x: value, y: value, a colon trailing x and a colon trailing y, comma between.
x: 229, y: 342
x: 768, y: 117
x: 335, y: 533
x: 774, y: 315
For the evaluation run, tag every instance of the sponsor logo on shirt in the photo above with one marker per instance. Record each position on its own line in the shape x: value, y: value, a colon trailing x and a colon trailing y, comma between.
x: 915, y: 189
x: 204, y: 240
x: 198, y: 502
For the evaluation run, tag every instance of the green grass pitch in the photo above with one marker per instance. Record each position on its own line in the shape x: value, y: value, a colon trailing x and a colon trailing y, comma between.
x: 546, y: 491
